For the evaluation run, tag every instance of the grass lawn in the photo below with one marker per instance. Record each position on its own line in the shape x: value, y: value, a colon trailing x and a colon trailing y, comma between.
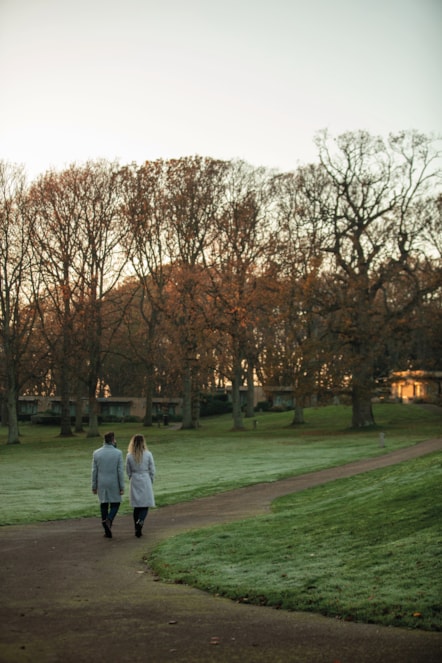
x: 48, y: 478
x: 365, y: 548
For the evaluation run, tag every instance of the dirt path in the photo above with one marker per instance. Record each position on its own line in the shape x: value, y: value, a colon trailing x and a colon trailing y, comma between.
x: 70, y: 595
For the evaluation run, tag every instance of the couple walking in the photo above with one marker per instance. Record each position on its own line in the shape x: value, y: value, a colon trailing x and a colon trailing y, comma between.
x: 108, y: 480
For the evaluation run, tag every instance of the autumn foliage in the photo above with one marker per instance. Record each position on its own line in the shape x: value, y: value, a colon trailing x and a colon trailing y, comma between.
x: 184, y: 276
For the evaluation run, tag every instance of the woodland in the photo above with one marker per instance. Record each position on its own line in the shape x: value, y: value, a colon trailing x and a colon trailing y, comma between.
x: 179, y: 277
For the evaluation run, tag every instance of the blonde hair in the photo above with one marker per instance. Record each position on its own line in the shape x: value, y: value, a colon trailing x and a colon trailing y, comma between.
x: 136, y: 447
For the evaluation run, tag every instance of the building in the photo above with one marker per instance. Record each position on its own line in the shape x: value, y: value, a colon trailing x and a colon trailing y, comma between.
x: 424, y: 386
x: 109, y: 409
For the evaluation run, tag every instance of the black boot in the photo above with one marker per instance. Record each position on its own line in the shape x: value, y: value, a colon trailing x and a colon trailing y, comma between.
x: 138, y: 528
x: 107, y: 528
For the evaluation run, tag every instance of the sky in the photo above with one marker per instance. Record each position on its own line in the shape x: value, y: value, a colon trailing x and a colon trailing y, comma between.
x: 137, y: 80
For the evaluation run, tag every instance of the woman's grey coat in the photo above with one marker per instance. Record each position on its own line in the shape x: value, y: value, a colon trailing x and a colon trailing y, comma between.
x: 108, y: 473
x: 141, y: 479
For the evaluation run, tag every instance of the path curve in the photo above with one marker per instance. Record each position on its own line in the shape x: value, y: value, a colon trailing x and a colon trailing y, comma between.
x: 71, y: 596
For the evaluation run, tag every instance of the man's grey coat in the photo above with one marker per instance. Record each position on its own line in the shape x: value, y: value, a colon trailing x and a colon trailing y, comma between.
x: 108, y: 473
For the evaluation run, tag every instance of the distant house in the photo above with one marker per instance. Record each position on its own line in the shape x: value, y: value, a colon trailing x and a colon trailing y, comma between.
x: 27, y: 406
x: 417, y: 386
x: 120, y: 408
x: 258, y: 394
x: 284, y: 397
x: 111, y: 408
x: 280, y: 397
x: 117, y: 408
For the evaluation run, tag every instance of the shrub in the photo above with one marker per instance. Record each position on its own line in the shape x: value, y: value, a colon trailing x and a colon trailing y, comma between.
x: 46, y: 419
x: 211, y: 405
x: 263, y: 406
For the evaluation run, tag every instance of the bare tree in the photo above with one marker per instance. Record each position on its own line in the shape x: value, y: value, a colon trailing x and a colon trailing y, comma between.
x: 17, y: 312
x: 78, y: 233
x: 102, y: 265
x: 169, y: 206
x: 194, y: 189
x: 372, y: 223
x: 238, y: 258
x: 298, y: 324
x: 56, y: 237
x: 143, y: 213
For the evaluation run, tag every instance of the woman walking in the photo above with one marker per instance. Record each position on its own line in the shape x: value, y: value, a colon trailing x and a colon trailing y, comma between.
x: 140, y: 468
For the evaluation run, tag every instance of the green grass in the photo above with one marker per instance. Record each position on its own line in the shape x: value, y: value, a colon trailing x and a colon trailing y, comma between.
x: 367, y: 548
x: 48, y: 478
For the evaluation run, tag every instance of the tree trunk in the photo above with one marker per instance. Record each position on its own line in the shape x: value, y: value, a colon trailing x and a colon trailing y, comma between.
x: 93, y: 413
x: 65, y: 424
x: 298, y: 414
x: 236, y: 398
x: 187, y: 397
x: 362, y: 389
x: 78, y: 413
x: 13, y: 432
x: 4, y: 412
x: 148, y: 411
x: 196, y: 410
x: 250, y: 410
x: 362, y: 410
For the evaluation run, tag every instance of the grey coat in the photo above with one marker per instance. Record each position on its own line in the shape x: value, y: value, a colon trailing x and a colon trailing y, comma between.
x: 141, y: 479
x: 108, y: 473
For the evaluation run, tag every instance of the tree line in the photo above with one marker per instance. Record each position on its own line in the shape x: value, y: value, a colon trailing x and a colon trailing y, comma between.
x: 177, y: 277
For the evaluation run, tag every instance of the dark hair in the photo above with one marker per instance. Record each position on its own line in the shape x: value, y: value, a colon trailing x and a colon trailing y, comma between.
x: 109, y: 437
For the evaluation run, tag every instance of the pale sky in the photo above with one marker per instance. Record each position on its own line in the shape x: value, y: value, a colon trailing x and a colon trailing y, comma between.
x: 135, y: 80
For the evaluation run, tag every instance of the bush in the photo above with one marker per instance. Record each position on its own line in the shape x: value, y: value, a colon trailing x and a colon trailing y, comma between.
x: 263, y: 406
x: 52, y: 419
x: 214, y: 405
x: 119, y: 419
x: 46, y: 419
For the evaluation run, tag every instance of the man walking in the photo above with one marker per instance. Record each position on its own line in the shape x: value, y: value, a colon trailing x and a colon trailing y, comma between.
x: 108, y: 480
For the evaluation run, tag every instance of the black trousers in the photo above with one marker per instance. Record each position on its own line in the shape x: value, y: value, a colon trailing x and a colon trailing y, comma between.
x: 107, y: 512
x: 140, y: 514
